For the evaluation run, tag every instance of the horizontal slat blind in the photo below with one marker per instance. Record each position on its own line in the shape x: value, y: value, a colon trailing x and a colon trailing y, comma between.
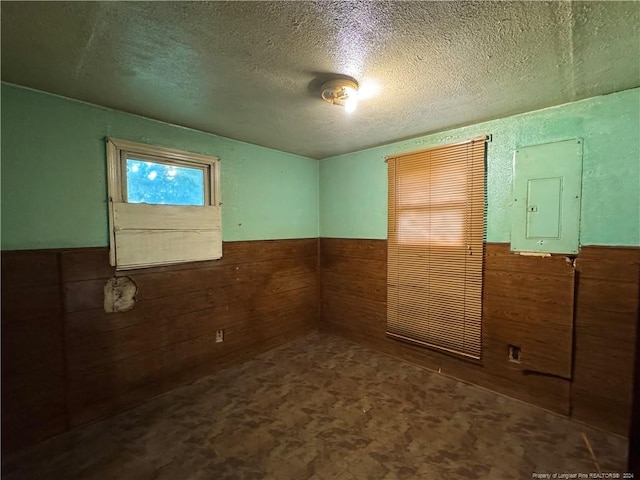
x: 436, y: 247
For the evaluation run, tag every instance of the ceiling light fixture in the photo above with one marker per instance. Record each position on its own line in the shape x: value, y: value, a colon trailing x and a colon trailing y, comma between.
x: 342, y: 92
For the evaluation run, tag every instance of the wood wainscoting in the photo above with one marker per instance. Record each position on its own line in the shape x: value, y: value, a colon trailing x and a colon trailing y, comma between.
x: 66, y: 362
x: 556, y: 312
x: 33, y: 366
x: 606, y: 323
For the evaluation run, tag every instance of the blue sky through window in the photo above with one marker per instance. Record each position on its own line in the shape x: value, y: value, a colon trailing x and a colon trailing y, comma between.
x: 159, y: 183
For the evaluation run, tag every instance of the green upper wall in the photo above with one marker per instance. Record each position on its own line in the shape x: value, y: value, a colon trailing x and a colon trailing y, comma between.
x: 353, y: 187
x: 54, y: 191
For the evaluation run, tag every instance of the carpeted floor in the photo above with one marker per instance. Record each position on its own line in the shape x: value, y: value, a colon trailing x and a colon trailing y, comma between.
x: 323, y: 408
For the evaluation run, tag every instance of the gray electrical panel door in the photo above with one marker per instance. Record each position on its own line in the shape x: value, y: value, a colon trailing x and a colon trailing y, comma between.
x: 547, y: 184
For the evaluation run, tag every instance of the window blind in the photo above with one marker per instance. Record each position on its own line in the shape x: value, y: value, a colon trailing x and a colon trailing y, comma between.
x: 435, y: 258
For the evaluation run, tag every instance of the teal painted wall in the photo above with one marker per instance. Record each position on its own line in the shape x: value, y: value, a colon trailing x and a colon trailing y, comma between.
x: 54, y: 176
x: 353, y: 189
x: 54, y: 191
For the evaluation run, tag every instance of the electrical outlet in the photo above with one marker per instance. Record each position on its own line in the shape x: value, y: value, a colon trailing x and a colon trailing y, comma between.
x: 514, y: 354
x: 220, y: 336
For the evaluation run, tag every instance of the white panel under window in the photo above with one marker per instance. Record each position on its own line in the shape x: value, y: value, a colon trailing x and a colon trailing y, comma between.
x: 164, y: 206
x: 148, y: 235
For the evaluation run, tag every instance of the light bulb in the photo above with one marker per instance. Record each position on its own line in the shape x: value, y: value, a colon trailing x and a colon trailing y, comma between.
x: 342, y: 92
x: 351, y: 102
x: 350, y: 105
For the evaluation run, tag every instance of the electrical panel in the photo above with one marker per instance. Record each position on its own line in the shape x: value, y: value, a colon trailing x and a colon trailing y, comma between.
x: 547, y: 192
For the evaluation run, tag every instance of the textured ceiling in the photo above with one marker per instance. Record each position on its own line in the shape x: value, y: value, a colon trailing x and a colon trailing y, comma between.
x: 249, y: 70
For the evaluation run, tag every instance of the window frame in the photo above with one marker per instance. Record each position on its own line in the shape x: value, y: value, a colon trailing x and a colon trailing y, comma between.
x: 118, y: 151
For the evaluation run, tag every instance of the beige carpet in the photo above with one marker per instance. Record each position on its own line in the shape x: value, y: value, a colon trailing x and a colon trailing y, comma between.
x: 323, y: 408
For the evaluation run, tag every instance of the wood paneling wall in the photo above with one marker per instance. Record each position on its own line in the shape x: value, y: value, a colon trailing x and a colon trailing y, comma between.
x: 543, y: 305
x: 606, y: 322
x: 528, y: 302
x: 67, y: 362
x: 634, y: 431
x: 33, y: 378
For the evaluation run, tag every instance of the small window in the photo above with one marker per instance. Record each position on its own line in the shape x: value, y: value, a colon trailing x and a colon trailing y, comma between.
x: 164, y: 205
x: 164, y: 183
